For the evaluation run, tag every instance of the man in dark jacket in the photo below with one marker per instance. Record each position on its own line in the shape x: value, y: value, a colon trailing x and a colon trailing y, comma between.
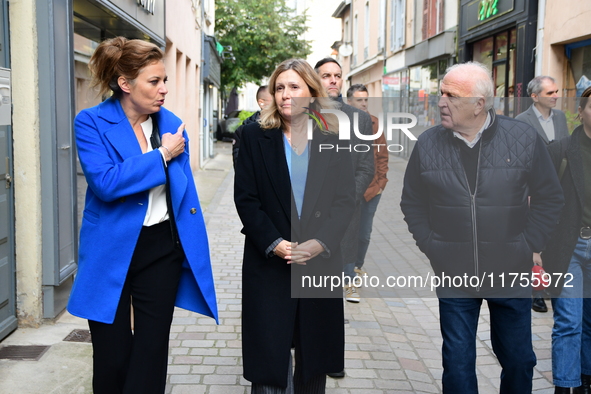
x: 465, y: 200
x: 363, y: 165
x: 550, y: 123
x: 357, y: 96
x: 264, y: 98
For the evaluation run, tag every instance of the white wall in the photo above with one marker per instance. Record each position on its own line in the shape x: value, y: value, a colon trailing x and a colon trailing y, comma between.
x: 183, y: 62
x: 26, y: 155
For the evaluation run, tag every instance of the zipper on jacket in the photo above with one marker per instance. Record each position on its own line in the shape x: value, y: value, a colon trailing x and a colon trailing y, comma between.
x: 473, y: 210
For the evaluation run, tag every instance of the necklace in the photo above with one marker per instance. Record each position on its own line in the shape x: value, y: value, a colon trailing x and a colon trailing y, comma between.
x: 293, y: 146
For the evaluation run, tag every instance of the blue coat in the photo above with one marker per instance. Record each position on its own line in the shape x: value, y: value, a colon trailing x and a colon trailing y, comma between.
x: 119, y: 178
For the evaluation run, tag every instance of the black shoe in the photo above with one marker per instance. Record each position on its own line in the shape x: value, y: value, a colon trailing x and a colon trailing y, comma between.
x: 561, y: 390
x: 585, y: 387
x: 539, y: 305
x: 337, y: 375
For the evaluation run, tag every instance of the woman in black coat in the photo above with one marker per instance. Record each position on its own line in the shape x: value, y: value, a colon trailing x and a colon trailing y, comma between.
x: 295, y: 202
x: 568, y: 255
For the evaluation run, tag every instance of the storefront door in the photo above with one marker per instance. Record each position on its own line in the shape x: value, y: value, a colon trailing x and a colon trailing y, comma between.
x: 8, y: 321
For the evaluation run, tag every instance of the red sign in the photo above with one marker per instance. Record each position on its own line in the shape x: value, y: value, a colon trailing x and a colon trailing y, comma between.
x: 391, y: 80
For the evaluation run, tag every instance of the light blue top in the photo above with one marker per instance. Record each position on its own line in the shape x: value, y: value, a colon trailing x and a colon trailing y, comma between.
x: 298, y: 172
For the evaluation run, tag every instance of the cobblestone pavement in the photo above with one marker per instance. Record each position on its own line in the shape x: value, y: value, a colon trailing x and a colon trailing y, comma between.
x: 392, y: 345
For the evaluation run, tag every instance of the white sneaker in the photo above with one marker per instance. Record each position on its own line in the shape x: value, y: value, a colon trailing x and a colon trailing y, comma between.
x: 351, y: 294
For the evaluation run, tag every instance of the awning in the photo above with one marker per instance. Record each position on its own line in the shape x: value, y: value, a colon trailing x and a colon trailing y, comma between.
x: 101, y: 19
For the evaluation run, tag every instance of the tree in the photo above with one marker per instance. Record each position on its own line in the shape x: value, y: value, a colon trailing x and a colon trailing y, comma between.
x: 262, y: 34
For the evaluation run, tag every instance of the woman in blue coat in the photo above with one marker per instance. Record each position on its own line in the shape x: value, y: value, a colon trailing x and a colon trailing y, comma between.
x: 143, y: 240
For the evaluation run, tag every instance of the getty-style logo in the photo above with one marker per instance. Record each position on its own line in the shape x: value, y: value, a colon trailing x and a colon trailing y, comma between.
x: 392, y: 120
x: 320, y: 121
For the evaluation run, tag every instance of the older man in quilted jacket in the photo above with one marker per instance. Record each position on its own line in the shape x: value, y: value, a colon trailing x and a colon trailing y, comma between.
x: 465, y: 200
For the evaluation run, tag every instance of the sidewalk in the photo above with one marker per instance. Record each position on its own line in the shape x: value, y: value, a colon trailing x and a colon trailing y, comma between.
x: 392, y: 345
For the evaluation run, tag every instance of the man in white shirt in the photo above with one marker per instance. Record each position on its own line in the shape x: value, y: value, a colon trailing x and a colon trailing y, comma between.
x: 549, y: 122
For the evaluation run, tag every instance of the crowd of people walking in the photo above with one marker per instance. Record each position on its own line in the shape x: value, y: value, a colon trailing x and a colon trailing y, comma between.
x: 483, y: 193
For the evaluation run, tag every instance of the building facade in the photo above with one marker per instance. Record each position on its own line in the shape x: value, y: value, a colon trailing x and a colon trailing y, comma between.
x: 361, y: 50
x: 564, y: 47
x: 210, y: 81
x: 502, y: 35
x: 420, y: 54
x: 399, y: 49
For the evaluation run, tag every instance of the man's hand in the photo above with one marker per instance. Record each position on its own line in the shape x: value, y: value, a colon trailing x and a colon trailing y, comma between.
x: 538, y: 259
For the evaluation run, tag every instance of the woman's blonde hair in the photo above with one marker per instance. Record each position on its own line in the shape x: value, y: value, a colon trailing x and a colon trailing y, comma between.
x: 270, y: 117
x: 117, y: 57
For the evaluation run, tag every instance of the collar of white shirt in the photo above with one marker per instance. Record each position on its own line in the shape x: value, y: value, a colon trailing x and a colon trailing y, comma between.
x: 472, y: 143
x: 541, y: 117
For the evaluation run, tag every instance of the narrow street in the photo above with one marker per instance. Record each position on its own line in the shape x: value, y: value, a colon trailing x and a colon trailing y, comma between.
x: 392, y: 345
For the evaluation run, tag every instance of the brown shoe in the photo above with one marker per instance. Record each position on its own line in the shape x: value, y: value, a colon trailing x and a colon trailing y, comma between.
x: 351, y: 294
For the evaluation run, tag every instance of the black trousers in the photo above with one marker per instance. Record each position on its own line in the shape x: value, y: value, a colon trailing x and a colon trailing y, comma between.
x: 295, y: 383
x: 135, y: 362
x: 295, y: 380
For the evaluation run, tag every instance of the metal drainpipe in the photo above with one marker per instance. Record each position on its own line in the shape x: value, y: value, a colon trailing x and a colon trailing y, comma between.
x: 540, y: 36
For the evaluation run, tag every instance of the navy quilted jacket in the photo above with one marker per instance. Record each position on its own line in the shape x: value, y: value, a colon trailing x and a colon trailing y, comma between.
x: 494, y: 231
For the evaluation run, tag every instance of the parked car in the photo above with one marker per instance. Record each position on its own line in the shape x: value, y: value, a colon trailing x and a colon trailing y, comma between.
x: 228, y: 125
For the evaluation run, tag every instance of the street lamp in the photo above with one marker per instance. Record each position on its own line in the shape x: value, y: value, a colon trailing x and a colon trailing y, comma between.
x: 227, y: 54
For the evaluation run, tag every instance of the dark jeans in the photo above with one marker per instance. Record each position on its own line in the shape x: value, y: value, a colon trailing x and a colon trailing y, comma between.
x: 510, y: 320
x: 571, y: 334
x: 136, y: 362
x: 368, y: 210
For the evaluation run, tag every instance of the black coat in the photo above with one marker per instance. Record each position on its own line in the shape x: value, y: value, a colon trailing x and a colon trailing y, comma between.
x: 363, y: 162
x: 271, y: 319
x: 238, y: 134
x: 557, y: 255
x: 363, y: 168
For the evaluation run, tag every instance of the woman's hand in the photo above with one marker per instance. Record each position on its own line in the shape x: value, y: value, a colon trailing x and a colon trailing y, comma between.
x: 305, y: 251
x: 283, y: 250
x: 174, y: 144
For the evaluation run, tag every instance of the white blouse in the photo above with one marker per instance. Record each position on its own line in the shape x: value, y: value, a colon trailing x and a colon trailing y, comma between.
x: 157, y: 210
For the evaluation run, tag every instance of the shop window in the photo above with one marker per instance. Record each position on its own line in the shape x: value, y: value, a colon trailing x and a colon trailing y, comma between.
x: 482, y: 51
x: 433, y: 18
x: 423, y: 93
x: 382, y: 16
x: 366, y: 33
x: 498, y: 53
x: 397, y: 24
x: 580, y: 62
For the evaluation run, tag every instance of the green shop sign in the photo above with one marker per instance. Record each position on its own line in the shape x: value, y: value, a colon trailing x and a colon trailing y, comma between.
x: 478, y: 12
x: 487, y: 9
